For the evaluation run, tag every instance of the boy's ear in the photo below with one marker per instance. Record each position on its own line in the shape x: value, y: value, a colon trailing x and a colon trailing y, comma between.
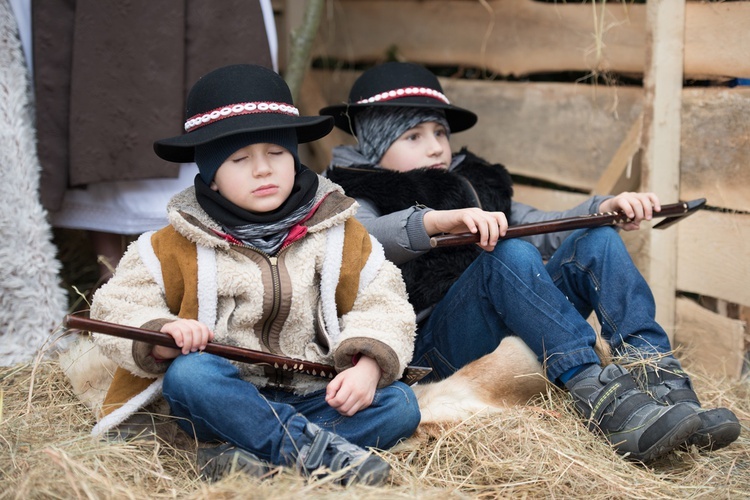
x: 213, y: 186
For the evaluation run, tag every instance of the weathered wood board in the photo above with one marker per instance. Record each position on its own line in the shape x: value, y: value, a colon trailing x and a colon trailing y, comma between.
x: 714, y: 255
x: 708, y: 341
x: 715, y: 151
x: 547, y: 199
x: 561, y: 133
x: 568, y: 134
x: 519, y: 37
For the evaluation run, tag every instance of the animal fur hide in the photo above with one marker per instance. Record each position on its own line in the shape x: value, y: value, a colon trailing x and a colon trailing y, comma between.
x: 510, y: 375
x: 32, y: 302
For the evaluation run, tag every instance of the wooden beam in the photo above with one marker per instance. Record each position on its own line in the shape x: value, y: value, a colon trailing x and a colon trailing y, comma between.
x: 311, y: 100
x: 520, y: 37
x: 572, y: 135
x: 547, y: 199
x: 715, y: 151
x: 713, y: 257
x: 620, y: 175
x: 661, y: 142
x: 712, y: 342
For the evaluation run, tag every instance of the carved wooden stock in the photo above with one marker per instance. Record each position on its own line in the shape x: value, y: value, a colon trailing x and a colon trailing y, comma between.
x: 412, y: 374
x: 673, y: 212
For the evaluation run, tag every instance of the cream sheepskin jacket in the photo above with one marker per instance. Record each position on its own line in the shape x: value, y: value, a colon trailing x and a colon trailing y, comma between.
x: 337, y: 296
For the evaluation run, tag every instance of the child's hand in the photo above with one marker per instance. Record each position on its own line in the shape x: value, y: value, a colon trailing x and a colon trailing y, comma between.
x: 489, y: 225
x: 354, y: 388
x: 189, y: 334
x: 637, y: 206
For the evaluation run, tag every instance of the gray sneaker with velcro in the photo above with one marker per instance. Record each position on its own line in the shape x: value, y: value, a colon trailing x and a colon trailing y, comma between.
x: 666, y: 381
x: 217, y: 462
x: 632, y: 421
x: 321, y: 448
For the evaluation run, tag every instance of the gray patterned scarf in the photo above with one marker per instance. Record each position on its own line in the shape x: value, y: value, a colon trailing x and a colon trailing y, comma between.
x: 264, y: 231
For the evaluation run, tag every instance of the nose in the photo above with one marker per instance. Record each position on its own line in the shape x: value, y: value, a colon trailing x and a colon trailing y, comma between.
x: 435, y: 148
x: 262, y: 167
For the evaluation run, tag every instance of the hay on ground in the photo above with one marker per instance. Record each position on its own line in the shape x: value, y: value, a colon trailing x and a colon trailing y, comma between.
x: 541, y: 450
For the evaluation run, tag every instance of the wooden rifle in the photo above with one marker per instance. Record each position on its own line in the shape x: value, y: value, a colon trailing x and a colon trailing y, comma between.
x: 674, y: 213
x: 412, y: 374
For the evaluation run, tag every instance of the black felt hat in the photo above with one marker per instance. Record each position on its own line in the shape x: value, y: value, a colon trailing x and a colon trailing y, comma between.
x: 398, y: 84
x: 237, y: 99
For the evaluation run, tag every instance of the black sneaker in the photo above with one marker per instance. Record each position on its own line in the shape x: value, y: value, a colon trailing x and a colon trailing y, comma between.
x: 632, y: 421
x: 667, y: 382
x: 321, y: 448
x: 220, y: 461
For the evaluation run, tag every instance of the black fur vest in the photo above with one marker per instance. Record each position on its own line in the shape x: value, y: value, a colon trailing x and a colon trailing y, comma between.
x: 473, y: 183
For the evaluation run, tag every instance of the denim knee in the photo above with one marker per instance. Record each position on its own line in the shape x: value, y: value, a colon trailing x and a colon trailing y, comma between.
x: 180, y: 369
x: 193, y: 370
x: 410, y: 413
x: 515, y: 249
x: 598, y: 238
x: 404, y: 409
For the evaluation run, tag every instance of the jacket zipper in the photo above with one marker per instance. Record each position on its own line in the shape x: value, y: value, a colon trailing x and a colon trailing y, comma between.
x: 273, y: 264
x: 276, y: 280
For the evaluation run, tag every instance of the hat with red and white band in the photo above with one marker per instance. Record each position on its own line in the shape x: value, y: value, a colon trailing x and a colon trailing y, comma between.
x: 234, y: 100
x: 398, y: 84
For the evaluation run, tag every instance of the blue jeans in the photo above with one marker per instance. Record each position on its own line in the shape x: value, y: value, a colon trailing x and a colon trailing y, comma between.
x: 214, y: 403
x: 510, y: 291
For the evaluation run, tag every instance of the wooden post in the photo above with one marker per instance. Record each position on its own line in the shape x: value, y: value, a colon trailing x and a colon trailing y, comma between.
x: 663, y: 75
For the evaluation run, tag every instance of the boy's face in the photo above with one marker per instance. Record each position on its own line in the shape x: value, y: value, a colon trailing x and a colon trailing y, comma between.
x: 258, y: 178
x: 424, y: 146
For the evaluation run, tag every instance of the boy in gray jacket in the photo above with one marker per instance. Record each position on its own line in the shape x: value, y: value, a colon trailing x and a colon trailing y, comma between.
x: 412, y: 186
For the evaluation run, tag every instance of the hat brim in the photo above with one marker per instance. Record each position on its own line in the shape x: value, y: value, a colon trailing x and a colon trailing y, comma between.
x: 459, y: 119
x: 181, y: 148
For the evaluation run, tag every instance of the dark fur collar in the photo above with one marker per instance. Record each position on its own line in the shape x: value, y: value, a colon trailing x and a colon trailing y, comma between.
x: 473, y: 183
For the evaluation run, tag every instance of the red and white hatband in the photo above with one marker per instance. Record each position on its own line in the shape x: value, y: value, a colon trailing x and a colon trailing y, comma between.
x: 406, y: 92
x: 242, y: 108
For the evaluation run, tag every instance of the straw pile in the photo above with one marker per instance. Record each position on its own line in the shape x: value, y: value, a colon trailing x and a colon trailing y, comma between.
x: 538, y: 450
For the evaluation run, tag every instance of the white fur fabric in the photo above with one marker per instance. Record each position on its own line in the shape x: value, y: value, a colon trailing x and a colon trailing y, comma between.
x: 32, y: 302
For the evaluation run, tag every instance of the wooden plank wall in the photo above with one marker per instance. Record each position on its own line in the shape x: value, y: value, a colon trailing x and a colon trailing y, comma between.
x: 585, y: 138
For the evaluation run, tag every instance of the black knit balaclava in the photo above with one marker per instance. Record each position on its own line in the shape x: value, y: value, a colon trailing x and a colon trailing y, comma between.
x: 210, y: 156
x: 379, y: 127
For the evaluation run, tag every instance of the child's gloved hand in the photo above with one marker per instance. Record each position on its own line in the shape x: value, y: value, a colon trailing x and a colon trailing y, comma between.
x: 354, y: 389
x: 489, y: 225
x: 636, y: 206
x: 189, y: 334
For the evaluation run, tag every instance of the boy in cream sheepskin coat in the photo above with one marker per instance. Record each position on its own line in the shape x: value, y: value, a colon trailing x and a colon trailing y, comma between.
x: 264, y: 254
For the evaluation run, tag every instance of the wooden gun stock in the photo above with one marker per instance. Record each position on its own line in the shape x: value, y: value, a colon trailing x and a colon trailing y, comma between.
x: 411, y: 374
x: 673, y: 212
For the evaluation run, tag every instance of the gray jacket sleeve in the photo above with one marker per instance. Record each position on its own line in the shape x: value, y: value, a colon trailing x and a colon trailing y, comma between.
x: 548, y: 243
x: 401, y: 233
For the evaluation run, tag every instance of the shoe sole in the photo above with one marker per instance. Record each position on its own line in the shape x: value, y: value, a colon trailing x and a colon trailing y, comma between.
x: 373, y: 472
x: 716, y: 437
x: 226, y: 460
x: 678, y: 435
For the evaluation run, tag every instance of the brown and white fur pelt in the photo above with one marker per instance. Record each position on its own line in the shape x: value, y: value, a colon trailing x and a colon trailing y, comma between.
x: 89, y: 371
x: 509, y: 375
